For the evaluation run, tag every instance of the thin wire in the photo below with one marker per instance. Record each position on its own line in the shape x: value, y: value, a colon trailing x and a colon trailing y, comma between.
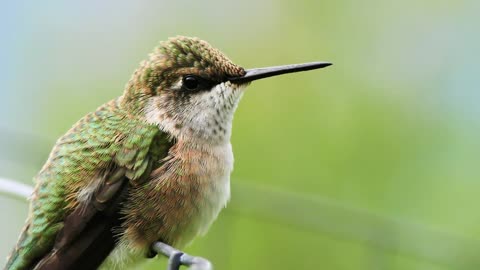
x: 15, y: 189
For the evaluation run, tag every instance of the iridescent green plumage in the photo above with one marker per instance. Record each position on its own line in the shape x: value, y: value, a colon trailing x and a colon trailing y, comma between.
x: 108, y: 137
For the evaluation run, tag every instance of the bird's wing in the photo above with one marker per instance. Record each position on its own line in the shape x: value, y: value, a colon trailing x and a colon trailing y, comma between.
x: 87, y: 237
x: 103, y: 148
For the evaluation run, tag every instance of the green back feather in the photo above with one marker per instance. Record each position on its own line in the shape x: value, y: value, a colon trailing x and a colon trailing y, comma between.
x: 107, y: 137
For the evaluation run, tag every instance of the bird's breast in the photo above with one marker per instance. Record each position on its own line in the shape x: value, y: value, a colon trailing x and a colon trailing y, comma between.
x: 208, y: 179
x: 181, y: 200
x: 183, y: 197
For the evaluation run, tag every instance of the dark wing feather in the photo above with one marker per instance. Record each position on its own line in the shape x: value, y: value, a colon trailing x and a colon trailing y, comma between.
x: 87, y: 236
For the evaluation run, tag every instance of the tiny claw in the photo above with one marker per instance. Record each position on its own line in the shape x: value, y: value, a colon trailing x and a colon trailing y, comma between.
x: 150, y: 254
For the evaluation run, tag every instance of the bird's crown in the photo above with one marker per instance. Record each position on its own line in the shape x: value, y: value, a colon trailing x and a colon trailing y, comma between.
x: 194, y: 53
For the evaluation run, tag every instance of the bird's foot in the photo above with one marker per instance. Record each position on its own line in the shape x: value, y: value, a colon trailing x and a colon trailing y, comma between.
x: 176, y: 258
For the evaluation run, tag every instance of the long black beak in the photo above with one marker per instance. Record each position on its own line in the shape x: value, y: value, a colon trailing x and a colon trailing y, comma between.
x: 260, y: 73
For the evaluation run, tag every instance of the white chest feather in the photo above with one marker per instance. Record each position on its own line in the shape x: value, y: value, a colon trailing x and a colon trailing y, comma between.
x: 215, y: 176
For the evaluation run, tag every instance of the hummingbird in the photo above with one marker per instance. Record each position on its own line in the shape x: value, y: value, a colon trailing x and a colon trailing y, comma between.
x: 151, y: 165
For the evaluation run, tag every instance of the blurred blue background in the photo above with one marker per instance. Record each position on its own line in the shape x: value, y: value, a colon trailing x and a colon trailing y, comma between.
x: 369, y: 164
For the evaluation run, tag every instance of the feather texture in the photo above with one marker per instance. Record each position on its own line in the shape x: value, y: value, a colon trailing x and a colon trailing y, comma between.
x: 86, y: 156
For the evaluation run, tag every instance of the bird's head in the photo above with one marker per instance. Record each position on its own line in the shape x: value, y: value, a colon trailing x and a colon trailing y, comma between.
x: 191, y: 89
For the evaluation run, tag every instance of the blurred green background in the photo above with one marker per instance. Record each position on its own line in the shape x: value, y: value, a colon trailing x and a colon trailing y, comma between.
x: 369, y: 164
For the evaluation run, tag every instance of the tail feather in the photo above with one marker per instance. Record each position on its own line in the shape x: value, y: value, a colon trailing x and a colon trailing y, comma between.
x: 21, y: 257
x: 31, y: 248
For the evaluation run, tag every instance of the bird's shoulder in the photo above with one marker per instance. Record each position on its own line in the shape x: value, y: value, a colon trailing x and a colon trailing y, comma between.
x: 106, y: 135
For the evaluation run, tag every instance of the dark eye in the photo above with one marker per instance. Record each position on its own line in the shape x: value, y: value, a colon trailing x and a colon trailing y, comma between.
x: 190, y: 82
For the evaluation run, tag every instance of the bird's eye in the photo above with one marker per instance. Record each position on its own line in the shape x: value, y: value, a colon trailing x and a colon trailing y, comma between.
x: 190, y: 82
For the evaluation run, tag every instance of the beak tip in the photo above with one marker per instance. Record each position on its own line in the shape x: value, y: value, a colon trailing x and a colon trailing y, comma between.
x: 324, y: 64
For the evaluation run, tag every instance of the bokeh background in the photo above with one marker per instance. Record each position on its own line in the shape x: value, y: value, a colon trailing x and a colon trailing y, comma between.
x: 369, y: 164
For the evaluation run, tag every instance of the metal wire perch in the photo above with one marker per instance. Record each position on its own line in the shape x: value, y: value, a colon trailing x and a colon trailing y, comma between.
x: 176, y: 258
